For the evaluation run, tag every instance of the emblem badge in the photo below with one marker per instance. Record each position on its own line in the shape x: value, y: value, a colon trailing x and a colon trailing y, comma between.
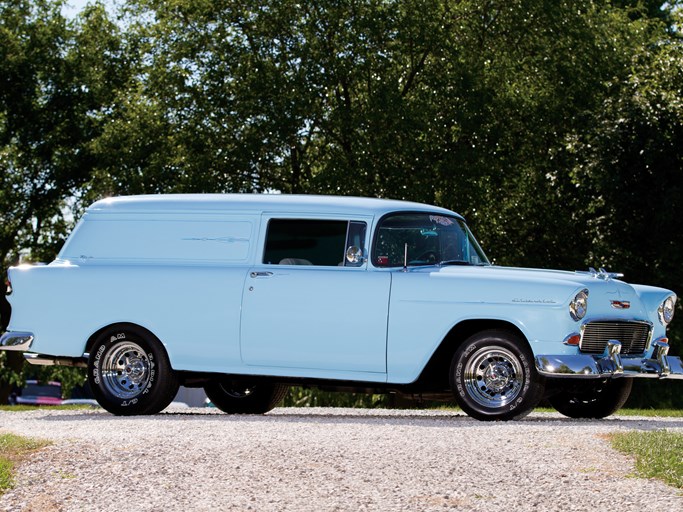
x: 620, y: 304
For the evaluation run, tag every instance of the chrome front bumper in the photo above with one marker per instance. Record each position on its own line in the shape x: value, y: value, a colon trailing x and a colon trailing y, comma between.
x: 15, y: 340
x: 612, y: 365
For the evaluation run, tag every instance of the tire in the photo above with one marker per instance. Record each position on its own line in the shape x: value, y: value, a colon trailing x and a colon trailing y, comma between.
x: 242, y: 397
x: 493, y: 377
x: 129, y: 372
x: 593, y: 401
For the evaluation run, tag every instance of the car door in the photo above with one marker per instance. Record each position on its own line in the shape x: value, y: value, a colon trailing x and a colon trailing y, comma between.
x: 309, y: 306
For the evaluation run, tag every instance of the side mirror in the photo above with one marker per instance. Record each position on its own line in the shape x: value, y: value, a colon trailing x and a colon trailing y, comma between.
x: 354, y: 255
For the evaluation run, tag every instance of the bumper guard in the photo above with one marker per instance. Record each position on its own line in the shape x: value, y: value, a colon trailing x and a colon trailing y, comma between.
x: 612, y: 365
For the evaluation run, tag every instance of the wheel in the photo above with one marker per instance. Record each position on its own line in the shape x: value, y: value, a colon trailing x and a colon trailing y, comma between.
x: 129, y: 373
x: 593, y: 400
x: 241, y: 397
x: 493, y: 377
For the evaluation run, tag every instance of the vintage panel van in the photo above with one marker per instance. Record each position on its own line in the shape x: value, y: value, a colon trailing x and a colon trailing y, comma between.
x: 248, y: 294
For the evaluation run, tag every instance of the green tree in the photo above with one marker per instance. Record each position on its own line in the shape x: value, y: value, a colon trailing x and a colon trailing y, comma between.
x: 58, y: 80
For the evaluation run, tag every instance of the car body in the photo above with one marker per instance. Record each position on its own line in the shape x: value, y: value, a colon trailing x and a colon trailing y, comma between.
x: 37, y: 393
x: 244, y: 294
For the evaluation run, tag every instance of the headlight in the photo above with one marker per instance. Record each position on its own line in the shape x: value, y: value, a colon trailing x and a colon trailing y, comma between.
x: 666, y: 310
x: 578, y: 307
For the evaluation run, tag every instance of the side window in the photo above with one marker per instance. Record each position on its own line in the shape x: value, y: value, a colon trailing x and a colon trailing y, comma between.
x: 355, y: 245
x: 306, y: 242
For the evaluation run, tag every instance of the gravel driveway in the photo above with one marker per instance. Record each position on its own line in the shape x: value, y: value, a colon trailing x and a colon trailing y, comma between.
x: 328, y: 459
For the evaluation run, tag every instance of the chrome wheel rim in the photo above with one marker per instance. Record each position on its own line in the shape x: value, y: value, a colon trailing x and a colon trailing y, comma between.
x: 493, y: 377
x: 126, y: 370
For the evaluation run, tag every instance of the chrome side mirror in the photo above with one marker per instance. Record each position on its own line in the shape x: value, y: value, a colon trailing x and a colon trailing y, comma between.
x: 354, y: 255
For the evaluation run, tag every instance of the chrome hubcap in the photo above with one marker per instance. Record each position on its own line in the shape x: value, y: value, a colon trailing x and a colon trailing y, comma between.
x: 125, y: 370
x: 493, y: 377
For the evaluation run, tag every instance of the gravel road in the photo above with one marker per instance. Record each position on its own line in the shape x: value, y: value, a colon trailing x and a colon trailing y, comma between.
x: 328, y: 459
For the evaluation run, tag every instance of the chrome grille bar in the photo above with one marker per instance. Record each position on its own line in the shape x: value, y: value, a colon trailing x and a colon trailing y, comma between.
x: 633, y: 336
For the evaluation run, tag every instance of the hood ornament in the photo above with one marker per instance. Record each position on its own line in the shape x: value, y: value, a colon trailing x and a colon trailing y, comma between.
x: 603, y: 274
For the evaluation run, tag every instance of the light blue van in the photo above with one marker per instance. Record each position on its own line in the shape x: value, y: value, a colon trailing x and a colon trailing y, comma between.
x: 245, y: 295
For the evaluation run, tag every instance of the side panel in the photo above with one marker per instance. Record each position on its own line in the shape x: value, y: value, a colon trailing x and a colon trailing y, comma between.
x: 162, y: 238
x: 315, y: 318
x: 194, y: 311
x: 426, y: 305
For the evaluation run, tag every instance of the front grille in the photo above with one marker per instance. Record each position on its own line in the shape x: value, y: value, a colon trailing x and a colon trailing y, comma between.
x: 633, y: 336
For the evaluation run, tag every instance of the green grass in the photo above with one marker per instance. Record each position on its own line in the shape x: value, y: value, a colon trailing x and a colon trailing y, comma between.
x: 669, y: 413
x: 13, y: 448
x: 24, y: 408
x: 658, y: 454
x: 662, y: 413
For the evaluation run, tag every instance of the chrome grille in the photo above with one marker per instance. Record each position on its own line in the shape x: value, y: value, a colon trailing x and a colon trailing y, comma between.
x: 633, y: 336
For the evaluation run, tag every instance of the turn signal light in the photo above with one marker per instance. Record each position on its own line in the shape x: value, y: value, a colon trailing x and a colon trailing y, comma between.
x: 573, y: 339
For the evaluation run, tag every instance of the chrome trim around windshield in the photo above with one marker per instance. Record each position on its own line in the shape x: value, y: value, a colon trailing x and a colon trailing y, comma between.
x: 15, y: 340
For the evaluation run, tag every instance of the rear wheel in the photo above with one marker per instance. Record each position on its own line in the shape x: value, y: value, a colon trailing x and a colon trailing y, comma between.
x: 242, y: 397
x: 593, y: 400
x: 493, y: 377
x: 129, y: 373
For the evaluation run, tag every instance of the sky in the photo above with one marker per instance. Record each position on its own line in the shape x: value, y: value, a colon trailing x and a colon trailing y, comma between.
x: 73, y: 7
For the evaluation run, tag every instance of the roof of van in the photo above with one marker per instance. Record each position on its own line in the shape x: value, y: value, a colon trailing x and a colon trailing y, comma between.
x: 259, y: 203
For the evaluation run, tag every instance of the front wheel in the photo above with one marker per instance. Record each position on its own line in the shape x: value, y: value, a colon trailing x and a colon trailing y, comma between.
x: 237, y: 397
x: 493, y: 377
x: 593, y: 400
x: 129, y: 373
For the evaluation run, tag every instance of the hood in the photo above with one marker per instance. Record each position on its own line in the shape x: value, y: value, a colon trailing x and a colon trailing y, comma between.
x: 606, y: 295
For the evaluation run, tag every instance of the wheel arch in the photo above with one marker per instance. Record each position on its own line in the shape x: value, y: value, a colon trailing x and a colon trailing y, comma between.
x: 136, y: 328
x: 435, y: 374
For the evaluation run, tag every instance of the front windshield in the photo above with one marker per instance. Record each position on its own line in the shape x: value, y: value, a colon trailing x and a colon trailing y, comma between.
x: 429, y: 239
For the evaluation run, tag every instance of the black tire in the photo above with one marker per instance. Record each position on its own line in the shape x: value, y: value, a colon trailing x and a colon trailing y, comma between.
x: 129, y: 372
x: 493, y: 377
x: 242, y: 397
x: 594, y: 400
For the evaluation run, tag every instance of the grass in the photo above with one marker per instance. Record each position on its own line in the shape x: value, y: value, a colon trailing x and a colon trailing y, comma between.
x: 12, y: 449
x: 668, y: 413
x: 24, y: 408
x: 658, y: 454
x: 661, y: 413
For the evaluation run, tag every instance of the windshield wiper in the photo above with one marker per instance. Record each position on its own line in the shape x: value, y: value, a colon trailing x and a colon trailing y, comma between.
x: 454, y: 262
x: 460, y: 262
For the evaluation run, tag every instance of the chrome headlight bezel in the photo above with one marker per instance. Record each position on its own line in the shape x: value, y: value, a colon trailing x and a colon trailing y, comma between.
x: 666, y: 310
x: 578, y: 307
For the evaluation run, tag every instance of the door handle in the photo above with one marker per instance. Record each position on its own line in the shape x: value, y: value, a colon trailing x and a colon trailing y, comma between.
x: 260, y: 274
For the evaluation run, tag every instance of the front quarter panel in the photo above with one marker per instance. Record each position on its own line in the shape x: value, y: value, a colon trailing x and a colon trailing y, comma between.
x: 426, y: 305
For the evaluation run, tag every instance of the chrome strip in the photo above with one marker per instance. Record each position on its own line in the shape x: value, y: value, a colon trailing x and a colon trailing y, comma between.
x: 19, y: 341
x: 43, y: 360
x: 615, y: 365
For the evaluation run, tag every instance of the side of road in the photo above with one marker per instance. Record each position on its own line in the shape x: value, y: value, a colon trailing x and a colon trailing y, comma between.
x: 328, y: 459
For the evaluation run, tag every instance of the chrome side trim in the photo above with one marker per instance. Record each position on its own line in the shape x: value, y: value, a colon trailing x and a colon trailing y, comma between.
x: 15, y: 340
x: 614, y: 365
x: 43, y: 360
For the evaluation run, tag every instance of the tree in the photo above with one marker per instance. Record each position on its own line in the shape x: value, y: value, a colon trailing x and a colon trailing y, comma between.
x: 58, y: 80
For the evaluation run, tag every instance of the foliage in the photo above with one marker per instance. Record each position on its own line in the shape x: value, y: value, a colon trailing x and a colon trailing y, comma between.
x: 555, y: 127
x: 59, y: 77
x: 657, y: 454
x: 308, y: 397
